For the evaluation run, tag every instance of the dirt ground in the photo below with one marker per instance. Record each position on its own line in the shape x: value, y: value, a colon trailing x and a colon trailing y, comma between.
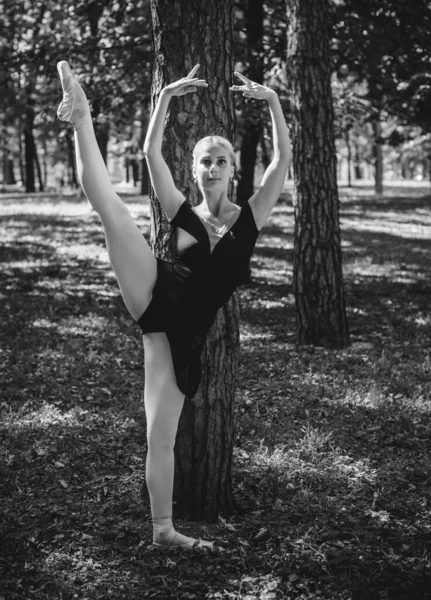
x: 332, y: 453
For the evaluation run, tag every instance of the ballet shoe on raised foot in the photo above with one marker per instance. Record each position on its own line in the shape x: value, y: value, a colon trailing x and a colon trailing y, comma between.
x: 177, y: 540
x: 74, y: 106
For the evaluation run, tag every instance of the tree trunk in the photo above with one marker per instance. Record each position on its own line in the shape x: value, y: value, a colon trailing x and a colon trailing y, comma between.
x: 266, y: 158
x: 249, y: 143
x: 251, y: 113
x: 44, y: 163
x: 145, y: 176
x: 349, y: 159
x: 71, y: 159
x: 29, y: 147
x: 38, y: 169
x: 378, y: 156
x: 187, y: 33
x: 10, y: 174
x: 21, y: 152
x: 358, y: 168
x: 101, y: 129
x: 102, y: 137
x: 317, y: 271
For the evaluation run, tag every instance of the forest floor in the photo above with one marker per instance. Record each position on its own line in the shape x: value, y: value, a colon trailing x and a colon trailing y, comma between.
x: 333, y: 448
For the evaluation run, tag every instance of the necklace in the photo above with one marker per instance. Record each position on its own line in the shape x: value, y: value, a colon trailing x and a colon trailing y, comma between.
x: 217, y: 230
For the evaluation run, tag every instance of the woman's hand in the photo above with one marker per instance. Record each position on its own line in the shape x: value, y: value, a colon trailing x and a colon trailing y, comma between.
x: 250, y: 89
x: 185, y: 85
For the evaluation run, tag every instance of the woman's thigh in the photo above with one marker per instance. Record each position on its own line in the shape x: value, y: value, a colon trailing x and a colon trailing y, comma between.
x: 132, y: 260
x: 163, y: 400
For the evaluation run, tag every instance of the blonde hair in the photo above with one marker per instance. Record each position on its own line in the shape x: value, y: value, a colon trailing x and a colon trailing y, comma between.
x: 215, y: 140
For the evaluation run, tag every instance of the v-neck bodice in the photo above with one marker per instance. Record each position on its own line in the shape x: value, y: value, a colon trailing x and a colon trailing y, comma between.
x: 205, y: 276
x: 193, y: 239
x: 213, y: 235
x: 200, y: 280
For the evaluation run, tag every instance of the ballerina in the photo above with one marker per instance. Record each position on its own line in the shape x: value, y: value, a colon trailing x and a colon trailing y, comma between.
x: 176, y: 303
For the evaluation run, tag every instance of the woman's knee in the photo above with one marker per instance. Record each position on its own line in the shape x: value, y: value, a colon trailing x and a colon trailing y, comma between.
x: 161, y: 437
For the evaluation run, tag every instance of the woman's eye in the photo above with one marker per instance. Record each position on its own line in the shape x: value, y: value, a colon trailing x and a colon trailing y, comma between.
x: 206, y: 161
x: 222, y: 161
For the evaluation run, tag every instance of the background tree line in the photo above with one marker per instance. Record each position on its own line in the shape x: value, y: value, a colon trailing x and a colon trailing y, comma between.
x: 380, y: 82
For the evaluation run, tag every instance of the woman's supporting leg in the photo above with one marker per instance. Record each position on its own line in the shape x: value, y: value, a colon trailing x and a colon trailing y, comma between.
x: 163, y: 406
x: 131, y: 257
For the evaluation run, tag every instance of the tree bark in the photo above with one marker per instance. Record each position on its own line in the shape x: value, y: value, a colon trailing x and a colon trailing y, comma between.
x: 29, y: 147
x: 251, y: 115
x: 378, y: 156
x: 37, y: 164
x: 349, y: 158
x: 71, y: 159
x: 145, y: 176
x: 187, y: 33
x: 358, y: 168
x: 251, y: 112
x: 317, y: 271
x: 21, y: 151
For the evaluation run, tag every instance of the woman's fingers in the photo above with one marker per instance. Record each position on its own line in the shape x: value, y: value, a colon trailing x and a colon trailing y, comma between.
x: 187, y: 81
x: 243, y: 78
x: 188, y: 86
x: 193, y: 71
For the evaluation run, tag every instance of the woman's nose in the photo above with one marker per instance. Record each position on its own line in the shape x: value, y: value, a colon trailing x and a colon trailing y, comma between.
x: 213, y: 168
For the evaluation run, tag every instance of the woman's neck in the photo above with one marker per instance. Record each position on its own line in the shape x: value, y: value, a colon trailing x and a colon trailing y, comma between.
x: 215, y: 203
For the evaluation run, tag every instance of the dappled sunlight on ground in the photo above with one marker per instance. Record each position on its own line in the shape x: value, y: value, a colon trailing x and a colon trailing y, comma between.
x: 332, y: 459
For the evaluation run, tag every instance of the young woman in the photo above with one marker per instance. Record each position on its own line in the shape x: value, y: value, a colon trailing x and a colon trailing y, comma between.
x: 176, y: 303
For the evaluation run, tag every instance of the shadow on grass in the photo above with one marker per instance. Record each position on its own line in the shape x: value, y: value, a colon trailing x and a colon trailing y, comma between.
x: 332, y: 454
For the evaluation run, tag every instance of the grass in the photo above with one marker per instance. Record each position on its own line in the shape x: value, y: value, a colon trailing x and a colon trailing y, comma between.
x: 332, y: 456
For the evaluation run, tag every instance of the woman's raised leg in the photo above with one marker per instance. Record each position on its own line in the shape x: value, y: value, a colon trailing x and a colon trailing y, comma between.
x: 131, y: 257
x: 163, y: 406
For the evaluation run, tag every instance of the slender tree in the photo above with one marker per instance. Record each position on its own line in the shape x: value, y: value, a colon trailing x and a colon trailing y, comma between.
x: 185, y: 34
x: 318, y: 279
x: 251, y: 112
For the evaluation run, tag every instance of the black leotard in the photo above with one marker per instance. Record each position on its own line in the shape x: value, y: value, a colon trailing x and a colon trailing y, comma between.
x: 189, y: 291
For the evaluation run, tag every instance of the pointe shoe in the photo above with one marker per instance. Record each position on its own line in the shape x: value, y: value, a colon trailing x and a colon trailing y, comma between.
x: 190, y: 544
x: 74, y: 107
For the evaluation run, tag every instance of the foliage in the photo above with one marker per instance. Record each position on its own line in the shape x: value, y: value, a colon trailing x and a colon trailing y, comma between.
x: 332, y: 456
x: 383, y: 42
x: 351, y: 107
x: 108, y: 43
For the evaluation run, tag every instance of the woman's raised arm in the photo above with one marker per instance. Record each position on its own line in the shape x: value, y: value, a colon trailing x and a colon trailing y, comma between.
x: 264, y: 200
x: 161, y: 178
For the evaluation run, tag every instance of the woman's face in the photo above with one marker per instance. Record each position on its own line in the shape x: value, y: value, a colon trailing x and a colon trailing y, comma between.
x: 212, y: 167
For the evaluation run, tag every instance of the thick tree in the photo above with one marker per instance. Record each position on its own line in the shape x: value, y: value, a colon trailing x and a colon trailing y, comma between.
x: 185, y: 34
x: 317, y: 277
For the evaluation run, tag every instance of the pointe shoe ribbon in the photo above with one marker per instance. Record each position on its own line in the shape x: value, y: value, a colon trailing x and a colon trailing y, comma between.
x: 74, y: 106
